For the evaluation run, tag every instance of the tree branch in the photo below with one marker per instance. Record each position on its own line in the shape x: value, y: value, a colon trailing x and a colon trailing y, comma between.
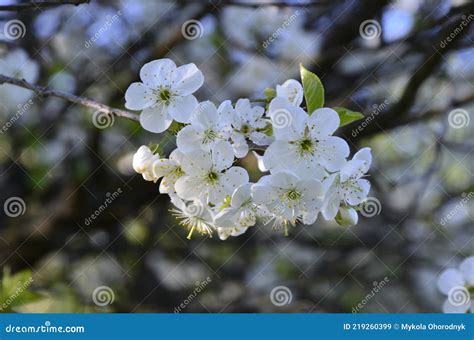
x: 45, y: 92
x: 257, y: 4
x: 431, y: 62
x: 38, y: 5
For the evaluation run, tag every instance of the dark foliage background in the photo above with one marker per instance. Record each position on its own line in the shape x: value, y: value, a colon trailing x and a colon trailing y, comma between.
x: 406, y: 82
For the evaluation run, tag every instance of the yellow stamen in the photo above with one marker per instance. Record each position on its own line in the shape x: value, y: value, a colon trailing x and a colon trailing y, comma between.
x: 190, y: 233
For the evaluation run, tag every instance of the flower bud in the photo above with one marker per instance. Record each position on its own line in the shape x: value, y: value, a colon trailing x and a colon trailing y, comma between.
x: 347, y: 217
x: 141, y: 159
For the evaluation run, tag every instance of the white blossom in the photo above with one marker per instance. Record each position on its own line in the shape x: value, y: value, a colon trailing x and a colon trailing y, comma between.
x: 248, y: 123
x: 290, y: 197
x: 291, y: 90
x: 209, y: 125
x: 309, y: 170
x: 210, y: 176
x: 347, y: 186
x: 305, y: 145
x: 170, y: 169
x: 458, y: 285
x: 142, y: 161
x: 241, y: 213
x: 193, y: 215
x: 164, y: 94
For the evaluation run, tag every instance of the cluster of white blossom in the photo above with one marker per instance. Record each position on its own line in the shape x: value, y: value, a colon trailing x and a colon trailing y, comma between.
x: 458, y: 285
x: 308, y: 171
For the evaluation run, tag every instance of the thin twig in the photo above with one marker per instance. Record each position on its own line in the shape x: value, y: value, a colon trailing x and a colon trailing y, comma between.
x: 45, y: 92
x: 257, y: 4
x: 37, y: 5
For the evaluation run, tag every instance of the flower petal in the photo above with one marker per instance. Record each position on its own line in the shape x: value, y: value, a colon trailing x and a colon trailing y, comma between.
x: 233, y: 178
x: 161, y: 167
x: 358, y: 193
x: 188, y: 187
x: 188, y: 139
x: 291, y: 90
x: 155, y: 119
x: 241, y: 195
x: 352, y: 169
x: 448, y: 279
x: 262, y: 193
x: 332, y: 198
x: 177, y: 156
x: 333, y: 152
x: 364, y: 155
x: 323, y: 122
x: 182, y: 108
x: 138, y: 97
x: 187, y: 79
x: 240, y: 146
x: 198, y: 162
x: 280, y: 155
x: 225, y: 112
x: 288, y: 121
x: 222, y: 155
x: 467, y: 269
x: 449, y: 307
x: 157, y: 73
x: 313, y: 194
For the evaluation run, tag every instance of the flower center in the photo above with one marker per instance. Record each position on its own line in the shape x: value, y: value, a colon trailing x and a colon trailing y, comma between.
x: 165, y: 95
x: 209, y: 136
x: 212, y: 177
x: 306, y: 146
x: 178, y: 171
x: 293, y: 195
x: 245, y: 129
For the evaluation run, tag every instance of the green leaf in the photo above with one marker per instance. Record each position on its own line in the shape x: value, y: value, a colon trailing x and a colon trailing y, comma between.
x: 15, y: 290
x: 313, y: 90
x: 347, y: 116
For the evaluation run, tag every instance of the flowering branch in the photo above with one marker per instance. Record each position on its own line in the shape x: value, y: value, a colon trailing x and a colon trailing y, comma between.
x: 34, y: 5
x: 46, y: 92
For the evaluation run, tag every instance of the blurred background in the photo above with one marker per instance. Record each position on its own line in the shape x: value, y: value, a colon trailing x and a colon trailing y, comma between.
x: 408, y: 65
